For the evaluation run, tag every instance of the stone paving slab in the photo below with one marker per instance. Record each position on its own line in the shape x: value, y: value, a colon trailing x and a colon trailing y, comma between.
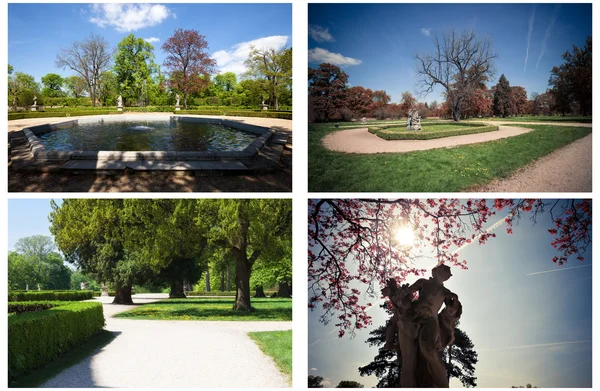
x: 148, y: 165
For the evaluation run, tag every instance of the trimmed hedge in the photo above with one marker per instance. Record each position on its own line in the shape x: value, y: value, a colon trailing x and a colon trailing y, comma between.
x: 50, y: 295
x: 239, y: 113
x: 52, y: 114
x: 216, y: 293
x: 210, y: 111
x: 35, y: 338
x: 28, y: 306
x: 381, y: 132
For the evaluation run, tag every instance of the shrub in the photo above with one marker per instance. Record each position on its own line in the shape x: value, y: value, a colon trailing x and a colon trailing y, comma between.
x: 49, y: 295
x: 28, y: 306
x: 384, y: 133
x: 35, y: 338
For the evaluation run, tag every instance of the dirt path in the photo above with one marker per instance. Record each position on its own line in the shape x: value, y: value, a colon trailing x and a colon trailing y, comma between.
x: 361, y: 141
x: 568, y: 169
x: 175, y: 354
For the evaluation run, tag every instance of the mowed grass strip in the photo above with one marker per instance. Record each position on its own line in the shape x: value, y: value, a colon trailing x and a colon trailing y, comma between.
x: 437, y: 170
x: 277, y: 345
x: 539, y: 118
x: 212, y: 309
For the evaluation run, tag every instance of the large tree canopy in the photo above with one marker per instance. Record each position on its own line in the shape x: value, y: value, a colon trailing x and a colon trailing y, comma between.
x: 362, y: 233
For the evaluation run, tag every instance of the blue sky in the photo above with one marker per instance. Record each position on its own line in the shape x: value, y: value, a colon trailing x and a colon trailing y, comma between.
x: 529, y: 319
x: 375, y: 43
x: 37, y: 32
x: 28, y: 217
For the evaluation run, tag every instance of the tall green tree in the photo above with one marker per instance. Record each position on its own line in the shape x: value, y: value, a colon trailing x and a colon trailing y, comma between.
x: 251, y: 229
x: 76, y: 86
x: 21, y: 89
x: 53, y: 84
x: 273, y: 68
x: 503, y: 104
x: 134, y: 65
x: 109, y: 89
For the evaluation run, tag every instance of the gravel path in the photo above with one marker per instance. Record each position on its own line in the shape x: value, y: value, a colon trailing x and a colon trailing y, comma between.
x: 568, y: 169
x: 361, y: 141
x: 176, y: 354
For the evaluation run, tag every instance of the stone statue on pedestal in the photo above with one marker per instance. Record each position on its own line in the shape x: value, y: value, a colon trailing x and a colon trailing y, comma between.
x: 104, y: 289
x: 35, y: 100
x: 413, y: 121
x: 120, y: 103
x: 422, y: 331
x: 177, y: 107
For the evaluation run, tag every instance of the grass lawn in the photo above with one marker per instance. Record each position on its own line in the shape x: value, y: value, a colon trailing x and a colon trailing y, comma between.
x: 67, y: 360
x: 437, y: 170
x: 277, y: 345
x: 539, y: 118
x: 211, y: 309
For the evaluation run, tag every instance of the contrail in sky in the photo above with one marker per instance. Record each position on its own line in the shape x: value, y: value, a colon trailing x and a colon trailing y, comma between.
x: 558, y: 270
x: 491, y: 229
x: 529, y: 36
x: 541, y: 345
x: 548, y: 33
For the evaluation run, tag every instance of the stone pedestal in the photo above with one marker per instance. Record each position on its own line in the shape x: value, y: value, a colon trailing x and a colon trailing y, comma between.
x: 33, y: 108
x: 119, y: 108
x: 104, y: 289
x: 264, y: 107
x: 177, y: 108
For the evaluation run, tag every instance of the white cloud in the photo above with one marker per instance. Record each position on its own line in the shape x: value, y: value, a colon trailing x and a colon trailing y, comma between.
x: 313, y: 369
x: 319, y: 55
x: 326, y: 383
x: 152, y: 39
x: 426, y: 31
x: 232, y: 60
x: 320, y: 33
x: 128, y: 17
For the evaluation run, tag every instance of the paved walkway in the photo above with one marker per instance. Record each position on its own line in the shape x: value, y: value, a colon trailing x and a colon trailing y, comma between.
x: 361, y: 141
x: 175, y: 354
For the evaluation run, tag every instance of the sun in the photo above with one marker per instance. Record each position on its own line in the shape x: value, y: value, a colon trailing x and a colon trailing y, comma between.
x: 405, y: 236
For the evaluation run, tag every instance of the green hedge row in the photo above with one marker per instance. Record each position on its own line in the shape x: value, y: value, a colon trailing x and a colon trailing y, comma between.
x: 215, y: 293
x: 28, y: 306
x: 50, y: 295
x: 35, y: 338
x: 420, y: 135
x: 240, y: 113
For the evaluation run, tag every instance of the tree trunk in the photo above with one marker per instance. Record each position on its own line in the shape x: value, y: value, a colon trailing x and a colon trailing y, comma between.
x: 176, y: 290
x: 242, y: 282
x: 207, y: 279
x: 456, y: 113
x: 260, y: 292
x: 285, y: 290
x: 228, y: 279
x: 222, y: 281
x: 123, y: 295
x: 185, y: 100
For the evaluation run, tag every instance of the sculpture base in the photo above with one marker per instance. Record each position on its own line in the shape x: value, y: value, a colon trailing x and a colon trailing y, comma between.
x: 177, y: 108
x: 33, y: 108
x: 264, y: 107
x: 119, y: 109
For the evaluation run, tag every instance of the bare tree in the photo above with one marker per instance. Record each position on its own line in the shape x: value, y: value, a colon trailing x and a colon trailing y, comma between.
x: 460, y: 63
x: 89, y: 58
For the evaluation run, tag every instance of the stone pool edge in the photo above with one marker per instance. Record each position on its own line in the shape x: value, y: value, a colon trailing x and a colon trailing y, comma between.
x: 40, y: 153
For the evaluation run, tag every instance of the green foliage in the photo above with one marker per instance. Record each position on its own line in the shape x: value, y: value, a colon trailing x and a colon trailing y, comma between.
x: 272, y: 69
x: 438, y: 170
x: 391, y: 133
x: 34, y: 338
x: 211, y: 309
x: 68, y: 103
x: 28, y: 306
x: 50, y: 295
x: 239, y: 113
x: 77, y: 87
x: 278, y: 346
x: 134, y: 66
x: 52, y: 83
x: 77, y: 278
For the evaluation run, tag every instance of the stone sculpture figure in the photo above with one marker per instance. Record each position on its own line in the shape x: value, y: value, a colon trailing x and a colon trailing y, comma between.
x: 35, y: 100
x: 120, y: 101
x: 177, y: 99
x: 421, y: 329
x: 413, y: 121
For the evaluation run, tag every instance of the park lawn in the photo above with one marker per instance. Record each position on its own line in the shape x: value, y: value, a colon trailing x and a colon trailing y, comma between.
x: 278, y: 346
x: 265, y: 309
x: 539, y: 118
x: 40, y: 375
x: 438, y: 170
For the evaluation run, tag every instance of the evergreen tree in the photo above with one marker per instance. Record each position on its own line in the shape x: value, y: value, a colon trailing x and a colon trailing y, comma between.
x: 460, y: 359
x: 503, y: 105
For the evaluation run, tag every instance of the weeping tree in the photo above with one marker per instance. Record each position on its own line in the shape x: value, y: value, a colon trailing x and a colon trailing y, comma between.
x: 250, y: 229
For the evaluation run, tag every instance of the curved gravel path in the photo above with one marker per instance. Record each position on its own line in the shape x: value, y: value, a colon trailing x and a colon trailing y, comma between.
x: 174, y: 354
x: 361, y: 141
x: 568, y: 169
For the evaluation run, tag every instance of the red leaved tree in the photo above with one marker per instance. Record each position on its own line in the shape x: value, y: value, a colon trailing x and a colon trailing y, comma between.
x: 327, y: 87
x: 352, y: 242
x: 187, y: 61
